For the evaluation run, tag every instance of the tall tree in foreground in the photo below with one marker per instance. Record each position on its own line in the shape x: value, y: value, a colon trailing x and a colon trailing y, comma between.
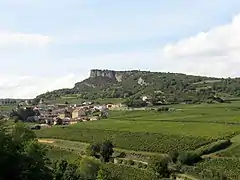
x: 21, y: 157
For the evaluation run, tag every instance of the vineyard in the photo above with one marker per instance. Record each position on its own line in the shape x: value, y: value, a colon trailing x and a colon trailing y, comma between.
x: 203, y: 128
x: 138, y: 141
x: 228, y: 166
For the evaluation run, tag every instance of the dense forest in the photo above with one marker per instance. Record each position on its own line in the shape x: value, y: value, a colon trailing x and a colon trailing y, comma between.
x: 164, y: 87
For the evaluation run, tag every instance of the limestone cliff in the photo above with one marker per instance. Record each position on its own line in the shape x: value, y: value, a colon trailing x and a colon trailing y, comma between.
x: 116, y: 75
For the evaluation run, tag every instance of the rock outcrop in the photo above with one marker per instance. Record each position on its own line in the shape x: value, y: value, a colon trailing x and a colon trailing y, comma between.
x: 116, y: 75
x: 103, y: 73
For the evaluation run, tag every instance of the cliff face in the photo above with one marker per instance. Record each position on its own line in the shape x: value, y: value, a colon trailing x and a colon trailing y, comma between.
x: 103, y: 73
x: 116, y: 75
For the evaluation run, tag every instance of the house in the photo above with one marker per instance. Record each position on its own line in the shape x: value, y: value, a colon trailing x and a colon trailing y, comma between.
x: 64, y: 114
x: 145, y: 98
x: 78, y: 113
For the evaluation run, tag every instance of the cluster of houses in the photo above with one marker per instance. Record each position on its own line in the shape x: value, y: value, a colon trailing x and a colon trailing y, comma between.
x: 62, y: 114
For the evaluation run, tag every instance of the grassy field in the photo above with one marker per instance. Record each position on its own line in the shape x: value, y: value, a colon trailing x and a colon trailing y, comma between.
x: 7, y: 108
x: 57, y: 153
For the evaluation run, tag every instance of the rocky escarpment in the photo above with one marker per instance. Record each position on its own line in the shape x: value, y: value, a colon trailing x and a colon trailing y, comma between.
x: 115, y: 75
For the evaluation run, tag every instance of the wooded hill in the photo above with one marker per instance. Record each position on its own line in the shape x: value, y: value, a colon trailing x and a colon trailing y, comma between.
x: 159, y: 86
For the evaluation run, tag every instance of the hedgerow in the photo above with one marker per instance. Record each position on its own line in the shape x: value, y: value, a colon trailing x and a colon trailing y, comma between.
x: 138, y: 141
x: 213, y: 147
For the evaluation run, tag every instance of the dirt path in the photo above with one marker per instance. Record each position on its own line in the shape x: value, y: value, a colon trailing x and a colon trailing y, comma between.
x: 46, y: 141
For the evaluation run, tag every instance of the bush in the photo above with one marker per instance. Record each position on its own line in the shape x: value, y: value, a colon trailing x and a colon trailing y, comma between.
x: 145, y: 166
x: 122, y: 155
x: 120, y: 161
x: 163, y: 109
x: 131, y: 162
x: 141, y: 165
x: 125, y: 162
x: 173, y: 155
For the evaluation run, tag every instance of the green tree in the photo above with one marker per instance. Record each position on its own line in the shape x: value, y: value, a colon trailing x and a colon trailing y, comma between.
x: 59, y: 168
x: 106, y: 150
x: 21, y: 134
x: 94, y: 150
x: 104, y: 174
x: 22, y: 157
x: 71, y: 173
x: 101, y: 151
x: 89, y: 167
x: 159, y: 166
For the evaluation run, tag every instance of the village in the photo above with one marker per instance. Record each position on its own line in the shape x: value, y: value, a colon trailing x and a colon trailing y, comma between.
x: 66, y: 114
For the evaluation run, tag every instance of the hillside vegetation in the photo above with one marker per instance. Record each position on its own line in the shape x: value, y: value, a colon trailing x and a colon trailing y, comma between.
x: 164, y: 87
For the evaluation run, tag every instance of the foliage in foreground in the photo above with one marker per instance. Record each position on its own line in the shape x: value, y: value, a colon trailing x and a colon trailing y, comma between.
x: 22, y: 157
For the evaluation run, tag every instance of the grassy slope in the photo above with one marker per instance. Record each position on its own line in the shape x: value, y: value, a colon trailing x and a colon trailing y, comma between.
x: 57, y: 153
x: 76, y: 100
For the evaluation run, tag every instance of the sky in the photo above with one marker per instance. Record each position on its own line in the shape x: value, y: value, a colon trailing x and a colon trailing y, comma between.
x: 47, y: 45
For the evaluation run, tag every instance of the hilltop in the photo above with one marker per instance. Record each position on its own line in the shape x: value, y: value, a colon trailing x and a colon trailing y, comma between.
x: 165, y: 87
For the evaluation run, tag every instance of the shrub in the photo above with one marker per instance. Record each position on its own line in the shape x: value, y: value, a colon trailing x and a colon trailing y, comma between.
x: 131, y: 162
x: 163, y: 109
x: 120, y: 161
x: 122, y: 155
x: 125, y: 162
x: 145, y: 166
x: 173, y: 155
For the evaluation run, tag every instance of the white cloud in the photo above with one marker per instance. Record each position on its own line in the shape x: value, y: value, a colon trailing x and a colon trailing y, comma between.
x: 30, y: 86
x: 217, y: 42
x: 214, y: 53
x: 8, y: 38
